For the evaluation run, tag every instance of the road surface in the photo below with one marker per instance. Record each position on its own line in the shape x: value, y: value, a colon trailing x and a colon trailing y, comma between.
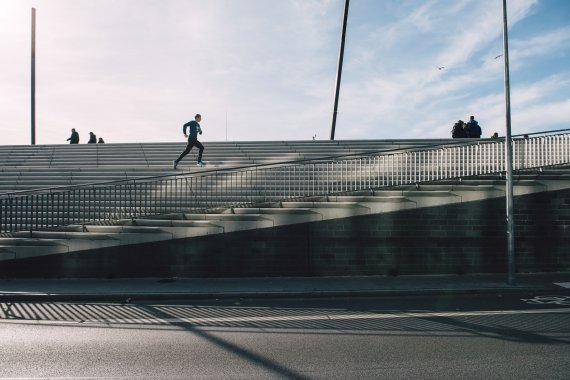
x: 524, y: 336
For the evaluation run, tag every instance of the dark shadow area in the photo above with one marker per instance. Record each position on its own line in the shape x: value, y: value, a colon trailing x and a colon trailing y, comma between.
x: 461, y: 238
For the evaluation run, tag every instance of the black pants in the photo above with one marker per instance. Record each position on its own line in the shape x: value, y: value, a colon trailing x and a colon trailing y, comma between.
x: 192, y: 142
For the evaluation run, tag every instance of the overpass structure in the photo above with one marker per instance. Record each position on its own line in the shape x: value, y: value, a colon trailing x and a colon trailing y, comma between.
x: 63, y: 199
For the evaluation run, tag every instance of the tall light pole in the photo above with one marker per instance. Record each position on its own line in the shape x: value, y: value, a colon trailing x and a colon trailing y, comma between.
x: 509, y: 157
x: 339, y: 71
x: 33, y: 94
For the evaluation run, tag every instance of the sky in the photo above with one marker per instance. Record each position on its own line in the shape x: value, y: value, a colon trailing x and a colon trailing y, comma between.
x: 256, y: 70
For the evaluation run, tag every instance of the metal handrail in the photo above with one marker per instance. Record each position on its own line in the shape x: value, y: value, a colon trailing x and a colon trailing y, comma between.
x: 242, y: 167
x: 455, y: 142
x: 237, y: 187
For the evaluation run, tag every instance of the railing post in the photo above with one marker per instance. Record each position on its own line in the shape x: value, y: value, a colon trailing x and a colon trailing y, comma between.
x: 11, y: 212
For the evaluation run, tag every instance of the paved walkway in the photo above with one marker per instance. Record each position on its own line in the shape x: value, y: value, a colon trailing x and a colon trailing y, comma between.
x: 188, y: 288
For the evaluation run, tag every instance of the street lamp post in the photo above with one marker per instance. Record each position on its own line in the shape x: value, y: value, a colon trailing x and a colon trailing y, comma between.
x: 33, y: 94
x: 339, y: 71
x: 509, y: 158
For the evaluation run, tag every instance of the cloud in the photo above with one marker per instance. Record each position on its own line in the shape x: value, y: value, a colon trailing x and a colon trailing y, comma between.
x: 399, y: 92
x: 141, y: 70
x: 548, y: 43
x: 536, y: 109
x: 135, y: 71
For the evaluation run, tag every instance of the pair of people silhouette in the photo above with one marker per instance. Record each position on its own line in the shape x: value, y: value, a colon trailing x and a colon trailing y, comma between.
x: 471, y: 129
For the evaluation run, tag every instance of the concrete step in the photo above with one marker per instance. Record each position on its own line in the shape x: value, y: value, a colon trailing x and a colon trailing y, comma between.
x: 195, y: 224
x: 282, y: 216
x: 24, y: 251
x: 26, y: 241
x: 384, y: 202
x: 178, y: 229
x: 330, y: 210
x: 62, y: 235
x: 54, y: 242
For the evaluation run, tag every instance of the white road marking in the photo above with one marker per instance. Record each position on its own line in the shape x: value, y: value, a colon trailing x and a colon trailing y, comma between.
x: 563, y: 284
x: 323, y: 317
x: 552, y: 300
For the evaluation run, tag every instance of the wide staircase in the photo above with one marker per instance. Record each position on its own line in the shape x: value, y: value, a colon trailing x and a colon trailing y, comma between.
x: 33, y: 167
x: 59, y: 199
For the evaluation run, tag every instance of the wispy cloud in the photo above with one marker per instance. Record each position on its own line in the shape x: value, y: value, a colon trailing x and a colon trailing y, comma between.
x: 551, y: 42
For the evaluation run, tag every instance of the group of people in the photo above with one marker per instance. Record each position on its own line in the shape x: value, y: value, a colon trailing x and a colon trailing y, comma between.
x: 193, y: 128
x: 74, y: 138
x: 471, y: 129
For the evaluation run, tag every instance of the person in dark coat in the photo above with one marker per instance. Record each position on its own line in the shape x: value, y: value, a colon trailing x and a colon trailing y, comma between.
x: 473, y: 128
x: 194, y: 130
x: 458, y: 130
x: 74, y: 138
x: 92, y: 138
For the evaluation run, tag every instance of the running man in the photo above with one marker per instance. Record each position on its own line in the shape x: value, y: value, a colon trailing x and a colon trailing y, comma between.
x: 192, y: 140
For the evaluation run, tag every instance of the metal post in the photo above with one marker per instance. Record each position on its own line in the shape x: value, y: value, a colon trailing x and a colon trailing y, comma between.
x: 339, y: 71
x: 509, y: 158
x: 33, y: 76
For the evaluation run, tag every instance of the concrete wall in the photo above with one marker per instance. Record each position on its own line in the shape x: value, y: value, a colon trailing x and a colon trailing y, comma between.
x: 458, y: 238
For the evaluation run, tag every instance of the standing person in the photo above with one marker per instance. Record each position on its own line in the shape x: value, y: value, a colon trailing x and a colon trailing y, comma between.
x: 473, y: 128
x: 74, y: 138
x: 194, y: 127
x: 92, y: 138
x: 458, y: 130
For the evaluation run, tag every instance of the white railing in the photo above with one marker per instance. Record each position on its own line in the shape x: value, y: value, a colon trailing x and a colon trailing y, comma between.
x: 206, y: 191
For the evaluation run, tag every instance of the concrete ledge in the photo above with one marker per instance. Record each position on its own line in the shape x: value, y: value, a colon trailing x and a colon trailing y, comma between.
x: 127, y: 290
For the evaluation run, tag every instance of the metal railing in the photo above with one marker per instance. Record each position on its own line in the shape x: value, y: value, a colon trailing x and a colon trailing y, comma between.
x: 238, y: 187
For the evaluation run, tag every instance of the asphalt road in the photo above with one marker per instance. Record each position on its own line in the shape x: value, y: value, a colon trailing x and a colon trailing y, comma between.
x: 525, y: 336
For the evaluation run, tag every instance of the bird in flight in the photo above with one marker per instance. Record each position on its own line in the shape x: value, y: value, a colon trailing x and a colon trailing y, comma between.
x: 500, y: 55
x: 440, y: 67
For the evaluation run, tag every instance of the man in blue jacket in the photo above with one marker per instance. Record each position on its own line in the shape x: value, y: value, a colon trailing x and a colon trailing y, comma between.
x: 473, y: 128
x: 194, y: 127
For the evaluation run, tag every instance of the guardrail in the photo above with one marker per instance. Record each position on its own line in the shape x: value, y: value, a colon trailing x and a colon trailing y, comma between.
x: 201, y: 192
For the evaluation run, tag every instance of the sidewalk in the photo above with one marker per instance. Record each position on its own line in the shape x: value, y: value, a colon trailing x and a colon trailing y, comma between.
x: 194, y: 288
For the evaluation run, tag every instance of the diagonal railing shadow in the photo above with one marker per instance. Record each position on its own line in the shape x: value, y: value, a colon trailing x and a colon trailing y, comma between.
x: 524, y: 327
x: 492, y: 330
